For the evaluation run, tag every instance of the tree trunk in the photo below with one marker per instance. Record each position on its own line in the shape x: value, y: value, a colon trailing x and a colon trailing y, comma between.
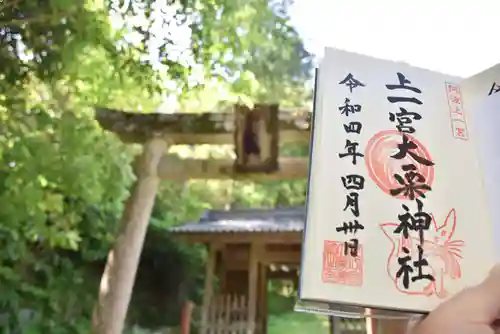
x: 119, y: 275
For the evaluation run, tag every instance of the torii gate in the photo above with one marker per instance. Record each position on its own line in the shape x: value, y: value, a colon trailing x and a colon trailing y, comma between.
x: 256, y: 134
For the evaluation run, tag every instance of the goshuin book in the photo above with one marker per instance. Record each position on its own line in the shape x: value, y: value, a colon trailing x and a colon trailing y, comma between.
x: 403, y: 184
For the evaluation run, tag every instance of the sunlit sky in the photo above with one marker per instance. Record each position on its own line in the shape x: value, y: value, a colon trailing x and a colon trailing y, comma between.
x: 454, y: 37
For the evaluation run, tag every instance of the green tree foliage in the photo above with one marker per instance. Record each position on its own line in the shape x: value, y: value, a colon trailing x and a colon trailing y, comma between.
x: 266, y: 62
x: 63, y: 180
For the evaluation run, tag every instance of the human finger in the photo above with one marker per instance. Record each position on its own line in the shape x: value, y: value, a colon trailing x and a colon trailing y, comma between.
x: 478, y: 304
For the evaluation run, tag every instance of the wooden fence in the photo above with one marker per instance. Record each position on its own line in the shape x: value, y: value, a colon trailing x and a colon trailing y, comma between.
x: 349, y: 326
x: 227, y: 314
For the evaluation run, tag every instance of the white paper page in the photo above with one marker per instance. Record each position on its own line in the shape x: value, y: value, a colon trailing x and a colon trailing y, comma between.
x: 481, y: 85
x: 486, y: 117
x: 460, y: 229
x: 482, y: 100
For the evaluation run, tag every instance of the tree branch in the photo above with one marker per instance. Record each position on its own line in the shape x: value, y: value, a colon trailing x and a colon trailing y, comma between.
x: 37, y: 19
x: 12, y: 4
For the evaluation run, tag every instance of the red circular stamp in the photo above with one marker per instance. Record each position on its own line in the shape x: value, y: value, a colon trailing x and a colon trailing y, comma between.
x: 382, y: 165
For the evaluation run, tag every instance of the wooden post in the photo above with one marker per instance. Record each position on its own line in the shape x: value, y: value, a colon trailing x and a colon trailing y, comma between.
x: 209, y: 286
x: 370, y: 322
x: 119, y: 274
x: 221, y: 269
x: 186, y: 314
x: 253, y: 282
x: 262, y: 299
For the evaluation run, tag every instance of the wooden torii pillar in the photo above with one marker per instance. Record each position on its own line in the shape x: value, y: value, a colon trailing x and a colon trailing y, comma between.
x: 120, y: 271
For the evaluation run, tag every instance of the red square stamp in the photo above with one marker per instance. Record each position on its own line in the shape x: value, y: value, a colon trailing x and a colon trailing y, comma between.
x: 457, y: 112
x: 339, y: 267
